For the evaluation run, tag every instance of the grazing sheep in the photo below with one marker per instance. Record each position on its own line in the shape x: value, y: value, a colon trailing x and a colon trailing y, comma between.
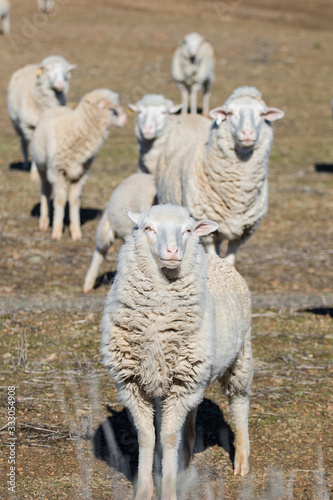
x: 5, y: 16
x: 193, y: 67
x: 150, y: 126
x: 222, y: 176
x: 46, y: 5
x: 33, y: 89
x: 174, y: 321
x: 136, y: 193
x: 63, y: 147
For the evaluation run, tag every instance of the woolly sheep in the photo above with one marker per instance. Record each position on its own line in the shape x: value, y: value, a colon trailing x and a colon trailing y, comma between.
x: 193, y: 66
x: 5, y: 16
x: 136, y: 193
x: 174, y: 321
x: 63, y: 147
x: 150, y: 128
x: 223, y: 176
x: 46, y: 5
x: 33, y: 89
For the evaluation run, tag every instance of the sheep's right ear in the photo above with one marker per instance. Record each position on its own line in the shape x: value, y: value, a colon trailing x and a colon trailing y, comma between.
x: 133, y: 216
x: 72, y: 66
x: 205, y: 226
x: 133, y: 108
x: 175, y: 108
x: 219, y: 114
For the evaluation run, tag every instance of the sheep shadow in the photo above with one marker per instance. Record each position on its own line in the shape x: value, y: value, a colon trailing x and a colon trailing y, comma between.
x: 319, y: 311
x: 324, y: 167
x: 105, y: 279
x: 19, y: 165
x: 115, y: 441
x: 86, y: 214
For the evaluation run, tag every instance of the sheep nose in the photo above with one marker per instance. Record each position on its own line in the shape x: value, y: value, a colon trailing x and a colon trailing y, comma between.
x: 172, y: 251
x: 60, y: 86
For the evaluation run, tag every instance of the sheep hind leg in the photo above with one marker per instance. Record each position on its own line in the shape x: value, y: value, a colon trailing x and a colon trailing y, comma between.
x: 189, y: 438
x: 59, y: 201
x: 46, y: 190
x: 75, y: 191
x: 104, y: 239
x: 6, y: 25
x: 24, y: 148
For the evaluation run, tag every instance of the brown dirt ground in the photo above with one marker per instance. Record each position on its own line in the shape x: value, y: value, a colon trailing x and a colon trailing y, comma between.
x: 52, y: 356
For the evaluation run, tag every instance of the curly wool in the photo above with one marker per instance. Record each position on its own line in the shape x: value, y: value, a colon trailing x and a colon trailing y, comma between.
x: 150, y: 324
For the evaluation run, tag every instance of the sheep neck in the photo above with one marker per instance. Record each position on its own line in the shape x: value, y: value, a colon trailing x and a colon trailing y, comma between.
x: 46, y: 97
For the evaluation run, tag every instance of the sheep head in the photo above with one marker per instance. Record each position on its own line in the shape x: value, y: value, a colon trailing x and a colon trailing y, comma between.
x: 57, y: 71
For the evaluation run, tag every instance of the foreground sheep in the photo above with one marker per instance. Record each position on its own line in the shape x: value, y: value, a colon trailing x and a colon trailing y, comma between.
x: 174, y: 321
x: 138, y: 193
x: 222, y: 176
x: 193, y: 68
x: 33, y: 89
x: 64, y: 146
x: 150, y: 128
x: 5, y: 16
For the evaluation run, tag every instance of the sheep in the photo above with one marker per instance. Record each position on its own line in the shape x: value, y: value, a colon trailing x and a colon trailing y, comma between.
x: 222, y: 176
x: 5, y: 16
x: 175, y: 320
x: 63, y: 147
x: 193, y: 67
x: 150, y: 128
x: 46, y: 5
x: 137, y: 193
x: 33, y: 89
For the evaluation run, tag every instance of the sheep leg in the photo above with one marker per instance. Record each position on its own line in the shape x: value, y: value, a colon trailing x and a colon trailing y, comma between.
x: 193, y: 98
x: 59, y: 201
x: 233, y: 247
x: 184, y: 92
x: 46, y: 190
x: 75, y: 191
x: 6, y: 25
x: 142, y: 412
x: 206, y: 98
x: 104, y: 239
x: 34, y: 176
x: 24, y: 148
x: 239, y: 408
x: 189, y: 437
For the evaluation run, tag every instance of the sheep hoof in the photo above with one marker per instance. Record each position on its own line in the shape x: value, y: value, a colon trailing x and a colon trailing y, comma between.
x: 44, y: 224
x: 57, y: 234
x: 241, y: 466
x: 76, y: 234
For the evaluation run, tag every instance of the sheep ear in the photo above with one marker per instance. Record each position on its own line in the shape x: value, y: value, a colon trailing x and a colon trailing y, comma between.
x: 133, y: 216
x: 104, y: 104
x: 71, y: 66
x: 133, y: 108
x: 175, y: 108
x: 204, y: 227
x: 272, y: 114
x: 219, y: 114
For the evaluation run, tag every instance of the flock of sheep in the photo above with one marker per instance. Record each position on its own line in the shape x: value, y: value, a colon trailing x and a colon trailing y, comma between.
x: 177, y: 316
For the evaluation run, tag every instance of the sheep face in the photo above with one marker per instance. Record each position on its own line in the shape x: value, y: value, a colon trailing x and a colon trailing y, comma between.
x: 168, y: 231
x: 57, y: 73
x: 109, y: 101
x: 190, y: 46
x: 245, y: 117
x: 152, y: 118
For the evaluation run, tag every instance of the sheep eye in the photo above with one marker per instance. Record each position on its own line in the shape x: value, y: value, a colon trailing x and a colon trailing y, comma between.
x: 188, y: 231
x: 115, y: 112
x: 149, y: 229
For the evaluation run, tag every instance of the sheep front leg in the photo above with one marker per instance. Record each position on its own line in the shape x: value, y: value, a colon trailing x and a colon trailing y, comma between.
x: 59, y: 201
x: 185, y: 96
x: 233, y: 247
x: 193, y: 98
x: 6, y: 25
x: 239, y: 408
x: 206, y: 98
x: 24, y: 148
x: 46, y: 190
x: 189, y: 437
x: 75, y: 191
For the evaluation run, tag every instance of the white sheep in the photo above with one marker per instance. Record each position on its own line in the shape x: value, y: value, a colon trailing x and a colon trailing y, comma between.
x: 63, y: 147
x: 222, y: 176
x: 46, y: 5
x: 5, y: 16
x: 33, y: 89
x: 193, y: 67
x: 136, y: 193
x: 152, y: 114
x: 174, y: 321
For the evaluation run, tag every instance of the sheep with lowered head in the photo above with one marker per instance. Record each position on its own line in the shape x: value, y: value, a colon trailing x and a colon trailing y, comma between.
x: 136, y: 193
x: 223, y: 176
x: 33, y: 89
x: 5, y: 16
x: 64, y: 146
x: 174, y: 321
x: 152, y: 115
x: 193, y: 67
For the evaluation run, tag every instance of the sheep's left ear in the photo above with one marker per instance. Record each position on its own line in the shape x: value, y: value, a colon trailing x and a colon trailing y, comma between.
x: 204, y: 227
x: 219, y: 114
x: 71, y: 66
x: 133, y: 216
x: 105, y: 104
x: 175, y: 108
x: 133, y: 108
x: 272, y: 114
